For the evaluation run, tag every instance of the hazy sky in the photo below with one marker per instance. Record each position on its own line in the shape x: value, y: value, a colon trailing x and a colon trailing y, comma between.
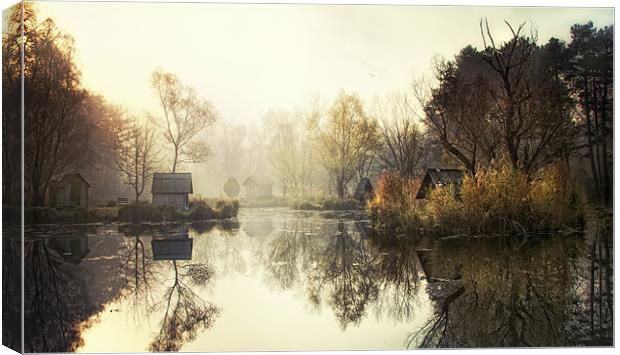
x: 249, y: 58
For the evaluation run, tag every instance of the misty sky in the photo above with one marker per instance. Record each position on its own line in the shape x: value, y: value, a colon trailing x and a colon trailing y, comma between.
x: 249, y: 58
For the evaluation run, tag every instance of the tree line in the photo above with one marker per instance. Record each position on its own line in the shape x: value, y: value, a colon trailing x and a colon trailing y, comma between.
x: 516, y: 103
x: 68, y: 128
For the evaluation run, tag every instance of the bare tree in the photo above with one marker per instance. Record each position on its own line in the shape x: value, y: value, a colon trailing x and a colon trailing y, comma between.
x: 403, y: 143
x: 185, y: 115
x: 457, y: 112
x: 531, y: 104
x: 134, y: 151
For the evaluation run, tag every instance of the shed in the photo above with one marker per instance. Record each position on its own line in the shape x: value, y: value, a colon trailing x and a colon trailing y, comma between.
x: 172, y: 189
x: 258, y: 187
x: 364, y: 190
x: 440, y: 177
x: 71, y: 190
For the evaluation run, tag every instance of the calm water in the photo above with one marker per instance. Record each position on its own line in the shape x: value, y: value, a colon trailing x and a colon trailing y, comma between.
x: 285, y: 280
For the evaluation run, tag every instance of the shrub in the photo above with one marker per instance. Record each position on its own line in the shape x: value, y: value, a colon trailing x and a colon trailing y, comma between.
x: 146, y: 212
x: 394, y: 204
x: 507, y: 201
x: 40, y: 215
x: 227, y: 208
x: 201, y: 212
x: 496, y: 201
x: 340, y: 205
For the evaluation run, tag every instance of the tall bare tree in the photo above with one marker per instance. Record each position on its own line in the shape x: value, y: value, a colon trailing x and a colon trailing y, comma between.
x: 134, y: 150
x: 185, y: 115
x: 404, y: 147
x: 457, y: 112
x: 531, y: 104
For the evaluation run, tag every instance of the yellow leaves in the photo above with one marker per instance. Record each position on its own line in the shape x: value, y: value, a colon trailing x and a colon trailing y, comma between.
x: 494, y: 201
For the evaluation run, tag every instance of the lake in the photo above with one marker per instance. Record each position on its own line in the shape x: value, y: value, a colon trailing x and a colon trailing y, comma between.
x: 277, y: 279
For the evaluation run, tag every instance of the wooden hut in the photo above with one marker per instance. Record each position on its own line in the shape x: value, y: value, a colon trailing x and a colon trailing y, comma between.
x: 69, y: 191
x: 364, y: 190
x: 440, y: 177
x: 172, y: 189
x: 258, y: 187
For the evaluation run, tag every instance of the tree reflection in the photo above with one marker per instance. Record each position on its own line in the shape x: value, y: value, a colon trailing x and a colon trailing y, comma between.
x: 293, y: 252
x: 510, y: 293
x: 143, y: 280
x: 185, y: 312
x: 345, y: 271
x: 137, y: 273
x: 55, y: 301
x: 11, y: 287
x: 399, y: 275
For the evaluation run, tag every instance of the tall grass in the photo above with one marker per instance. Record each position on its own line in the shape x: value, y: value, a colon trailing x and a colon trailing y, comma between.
x: 495, y: 201
x: 394, y: 205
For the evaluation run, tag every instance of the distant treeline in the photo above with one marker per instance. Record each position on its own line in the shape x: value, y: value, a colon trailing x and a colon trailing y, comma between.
x: 517, y: 103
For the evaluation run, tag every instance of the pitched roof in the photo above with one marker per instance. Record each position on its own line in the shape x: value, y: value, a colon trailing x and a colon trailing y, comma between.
x: 172, y: 183
x: 439, y: 177
x: 258, y: 180
x: 71, y: 176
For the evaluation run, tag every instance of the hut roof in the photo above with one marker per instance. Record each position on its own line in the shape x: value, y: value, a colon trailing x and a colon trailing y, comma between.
x: 439, y: 177
x: 70, y: 177
x: 258, y: 180
x: 172, y: 183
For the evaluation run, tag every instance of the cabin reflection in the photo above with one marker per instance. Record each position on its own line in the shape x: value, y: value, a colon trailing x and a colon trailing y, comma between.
x: 176, y: 245
x: 72, y: 247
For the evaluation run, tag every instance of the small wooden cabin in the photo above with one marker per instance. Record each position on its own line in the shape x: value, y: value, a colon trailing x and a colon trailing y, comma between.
x: 69, y: 191
x: 172, y: 189
x: 440, y: 177
x: 364, y: 190
x: 258, y: 187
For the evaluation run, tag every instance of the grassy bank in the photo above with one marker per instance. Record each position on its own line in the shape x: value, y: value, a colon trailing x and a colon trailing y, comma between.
x: 200, y: 210
x: 493, y: 202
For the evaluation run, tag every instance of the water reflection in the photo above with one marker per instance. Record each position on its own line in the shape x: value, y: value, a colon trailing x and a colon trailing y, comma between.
x: 185, y: 312
x: 481, y: 292
x: 56, y: 299
x: 507, y: 292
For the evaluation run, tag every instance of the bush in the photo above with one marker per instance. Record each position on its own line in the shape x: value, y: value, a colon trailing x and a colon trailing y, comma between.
x: 498, y: 201
x: 507, y: 201
x: 394, y: 205
x: 227, y: 208
x: 203, y: 209
x: 340, y: 205
x: 201, y: 212
x: 146, y: 212
x: 40, y: 215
